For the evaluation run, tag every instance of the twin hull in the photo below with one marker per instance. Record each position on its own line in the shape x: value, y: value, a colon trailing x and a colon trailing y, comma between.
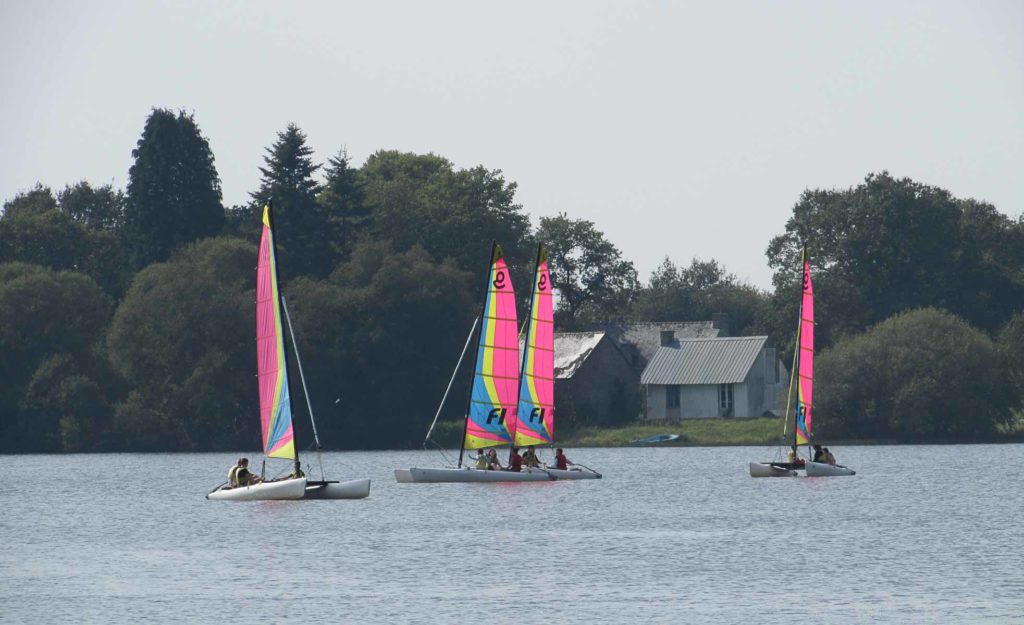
x: 298, y: 488
x: 466, y: 474
x: 813, y: 469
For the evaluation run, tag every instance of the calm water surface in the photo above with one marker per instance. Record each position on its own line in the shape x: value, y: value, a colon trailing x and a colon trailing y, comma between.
x: 923, y: 534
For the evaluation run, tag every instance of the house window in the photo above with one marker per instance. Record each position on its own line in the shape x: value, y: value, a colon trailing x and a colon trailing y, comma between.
x: 725, y: 399
x: 672, y: 396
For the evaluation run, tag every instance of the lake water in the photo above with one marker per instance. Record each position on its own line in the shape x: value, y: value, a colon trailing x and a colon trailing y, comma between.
x: 923, y: 534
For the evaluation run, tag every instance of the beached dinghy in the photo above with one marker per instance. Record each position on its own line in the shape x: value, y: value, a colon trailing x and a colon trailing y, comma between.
x: 275, y: 394
x: 264, y: 491
x: 821, y: 469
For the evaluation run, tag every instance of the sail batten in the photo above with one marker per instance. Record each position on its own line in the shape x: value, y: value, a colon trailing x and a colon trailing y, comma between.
x: 536, y: 415
x: 491, y: 414
x: 271, y: 367
x: 805, y: 362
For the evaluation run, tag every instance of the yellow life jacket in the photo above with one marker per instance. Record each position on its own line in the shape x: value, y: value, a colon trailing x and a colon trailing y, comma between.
x: 481, y: 462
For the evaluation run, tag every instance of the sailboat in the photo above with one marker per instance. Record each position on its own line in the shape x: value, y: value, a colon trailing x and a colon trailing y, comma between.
x: 802, y: 378
x: 535, y: 422
x: 275, y: 395
x: 491, y: 406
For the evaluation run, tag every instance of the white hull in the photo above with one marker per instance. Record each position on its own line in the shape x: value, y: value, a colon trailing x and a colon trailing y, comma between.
x: 350, y: 489
x: 820, y: 469
x: 466, y: 474
x: 264, y: 491
x: 760, y: 469
x: 571, y: 474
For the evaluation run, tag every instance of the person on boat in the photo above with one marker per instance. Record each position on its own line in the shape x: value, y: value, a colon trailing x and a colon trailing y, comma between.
x: 233, y: 473
x: 561, y: 462
x: 828, y: 457
x: 515, y: 461
x: 530, y: 458
x: 243, y: 476
x: 793, y: 458
x: 481, y: 460
x: 819, y: 455
x: 492, y: 461
x: 296, y: 472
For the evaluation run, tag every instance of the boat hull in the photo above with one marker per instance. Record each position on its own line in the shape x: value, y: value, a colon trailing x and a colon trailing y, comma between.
x: 571, y: 474
x: 349, y: 489
x: 820, y: 469
x: 465, y: 474
x: 763, y: 469
x: 264, y: 491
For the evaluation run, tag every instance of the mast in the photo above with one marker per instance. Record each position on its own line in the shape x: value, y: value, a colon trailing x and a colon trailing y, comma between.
x: 465, y: 347
x: 526, y: 340
x: 305, y: 391
x: 277, y: 280
x: 476, y: 357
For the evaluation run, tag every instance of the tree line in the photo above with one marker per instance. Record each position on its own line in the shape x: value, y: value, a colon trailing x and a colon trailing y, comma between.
x: 129, y: 313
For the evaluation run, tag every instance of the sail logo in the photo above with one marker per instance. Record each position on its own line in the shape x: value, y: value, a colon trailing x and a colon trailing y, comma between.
x: 497, y: 413
x: 542, y: 284
x: 537, y: 414
x: 499, y: 280
x: 807, y: 279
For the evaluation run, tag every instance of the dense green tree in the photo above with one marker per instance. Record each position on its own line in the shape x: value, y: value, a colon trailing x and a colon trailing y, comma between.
x: 184, y: 337
x: 698, y: 291
x: 890, y: 245
x: 174, y: 193
x: 1010, y: 349
x: 594, y: 282
x: 305, y: 237
x: 39, y: 200
x: 96, y: 208
x: 53, y: 323
x: 49, y: 238
x: 420, y: 199
x: 920, y: 374
x: 343, y: 200
x: 379, y: 340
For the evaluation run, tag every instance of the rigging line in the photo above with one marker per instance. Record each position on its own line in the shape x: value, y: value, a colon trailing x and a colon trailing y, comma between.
x: 305, y: 391
x: 462, y: 356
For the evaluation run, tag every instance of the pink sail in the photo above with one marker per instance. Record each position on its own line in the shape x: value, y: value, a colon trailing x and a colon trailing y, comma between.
x: 805, y: 360
x: 271, y: 369
x: 536, y: 413
x: 491, y: 418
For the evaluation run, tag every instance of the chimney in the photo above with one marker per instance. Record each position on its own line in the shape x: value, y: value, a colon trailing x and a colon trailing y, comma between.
x: 668, y: 338
x: 720, y: 320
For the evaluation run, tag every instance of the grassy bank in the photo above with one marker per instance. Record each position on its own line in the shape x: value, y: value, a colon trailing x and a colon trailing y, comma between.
x: 762, y: 431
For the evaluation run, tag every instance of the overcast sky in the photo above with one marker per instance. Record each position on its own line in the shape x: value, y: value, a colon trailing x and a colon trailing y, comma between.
x: 682, y: 129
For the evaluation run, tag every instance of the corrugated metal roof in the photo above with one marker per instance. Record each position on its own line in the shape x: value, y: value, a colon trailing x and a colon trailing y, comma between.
x: 571, y: 350
x: 704, y: 361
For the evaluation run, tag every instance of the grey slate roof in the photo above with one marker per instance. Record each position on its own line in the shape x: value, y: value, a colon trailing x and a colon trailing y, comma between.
x: 571, y: 350
x: 643, y: 339
x: 704, y: 361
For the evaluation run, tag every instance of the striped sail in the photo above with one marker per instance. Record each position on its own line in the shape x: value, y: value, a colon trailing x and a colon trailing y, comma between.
x: 271, y: 369
x: 492, y: 406
x: 805, y: 360
x: 536, y: 414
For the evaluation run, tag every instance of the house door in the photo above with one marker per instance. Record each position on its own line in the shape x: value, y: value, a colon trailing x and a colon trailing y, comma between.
x: 725, y: 403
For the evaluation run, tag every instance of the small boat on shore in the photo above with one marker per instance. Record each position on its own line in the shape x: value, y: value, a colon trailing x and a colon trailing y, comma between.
x: 654, y: 440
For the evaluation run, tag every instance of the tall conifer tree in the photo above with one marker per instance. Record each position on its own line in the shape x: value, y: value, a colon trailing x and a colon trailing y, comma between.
x: 303, y: 235
x: 174, y: 192
x: 343, y: 200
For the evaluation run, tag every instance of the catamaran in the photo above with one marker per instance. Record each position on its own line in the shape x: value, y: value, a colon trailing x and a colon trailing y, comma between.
x: 494, y: 415
x: 535, y: 422
x: 275, y: 395
x: 802, y: 377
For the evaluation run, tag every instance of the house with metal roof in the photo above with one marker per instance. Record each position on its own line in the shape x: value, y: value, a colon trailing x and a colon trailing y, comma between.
x: 698, y: 378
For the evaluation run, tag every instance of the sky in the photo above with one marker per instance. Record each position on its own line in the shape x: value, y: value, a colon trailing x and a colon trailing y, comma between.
x: 681, y: 129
